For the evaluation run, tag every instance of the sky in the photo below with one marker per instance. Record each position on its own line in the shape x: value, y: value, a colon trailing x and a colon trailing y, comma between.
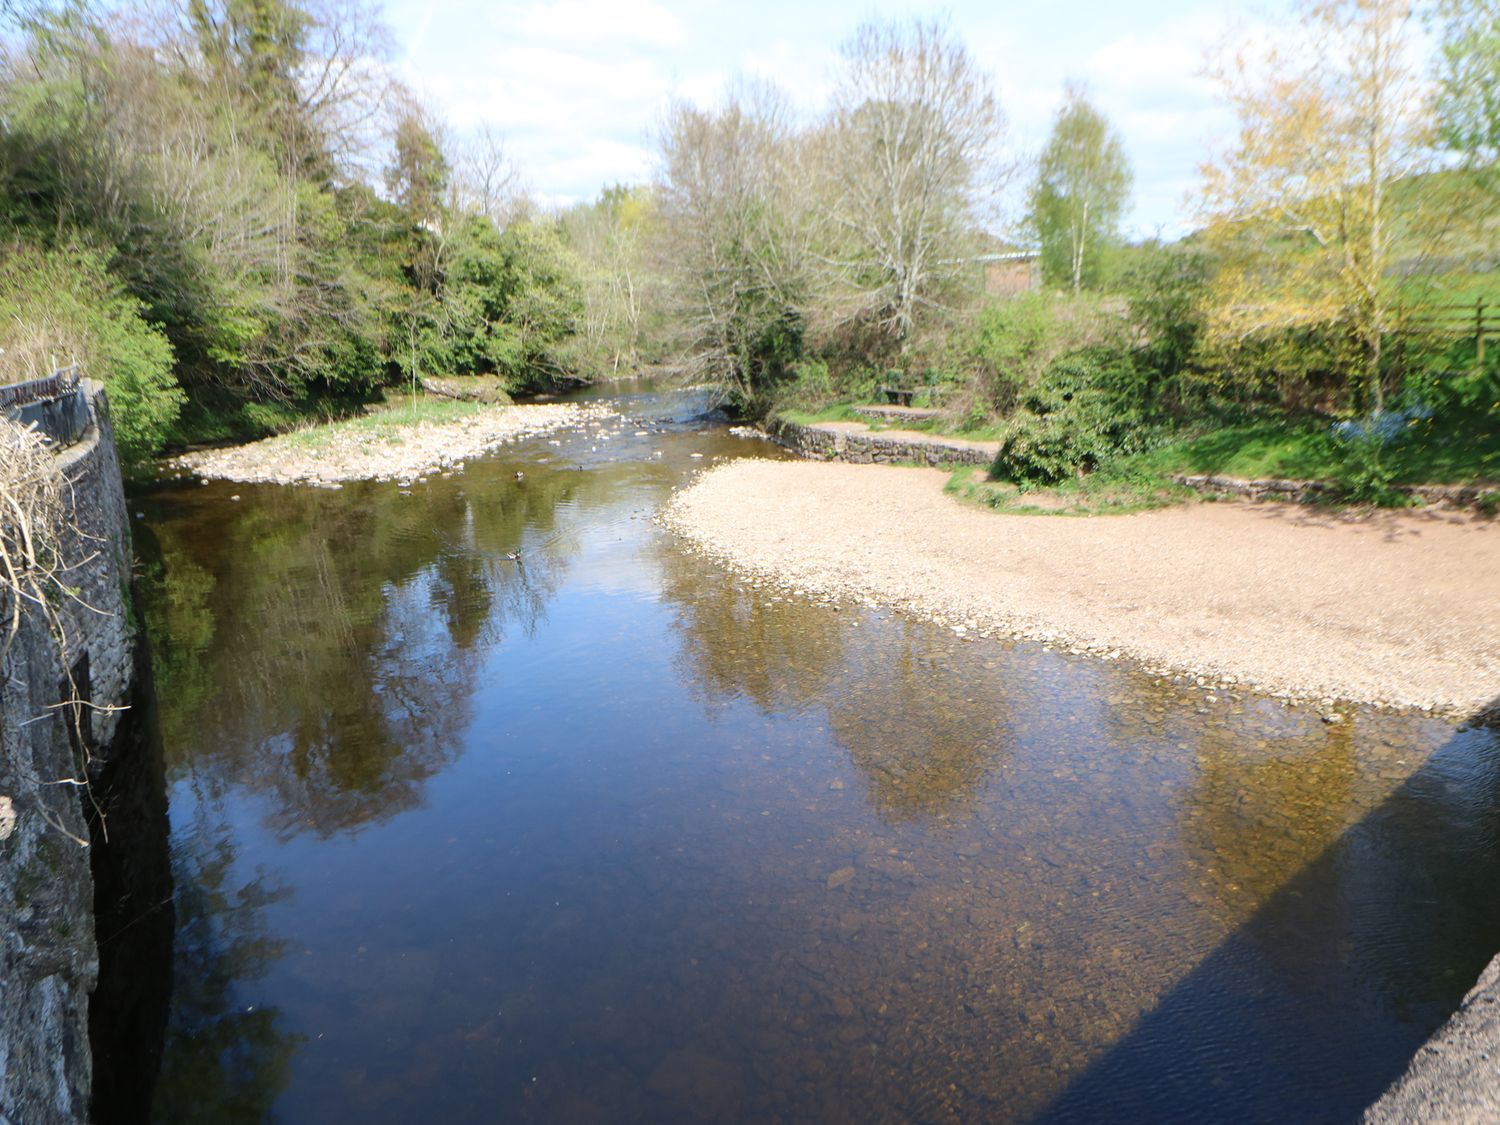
x: 577, y: 87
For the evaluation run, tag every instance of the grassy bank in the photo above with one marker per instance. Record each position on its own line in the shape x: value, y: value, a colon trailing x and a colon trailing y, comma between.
x: 384, y: 421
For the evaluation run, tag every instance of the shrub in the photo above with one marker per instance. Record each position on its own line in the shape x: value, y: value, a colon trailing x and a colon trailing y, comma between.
x: 1084, y: 411
x: 1015, y: 340
x: 1167, y: 292
x: 62, y: 305
x: 809, y: 388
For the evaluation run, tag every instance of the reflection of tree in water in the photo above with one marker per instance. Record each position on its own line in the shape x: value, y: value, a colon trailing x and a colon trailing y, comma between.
x: 922, y: 723
x: 1259, y: 811
x: 1304, y: 839
x: 224, y: 1060
x: 917, y: 717
x: 347, y: 625
x: 738, y: 640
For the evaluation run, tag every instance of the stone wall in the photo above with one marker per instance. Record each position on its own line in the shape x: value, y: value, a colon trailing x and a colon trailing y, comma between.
x: 1455, y: 1077
x: 873, y: 447
x: 48, y: 958
x: 1313, y: 491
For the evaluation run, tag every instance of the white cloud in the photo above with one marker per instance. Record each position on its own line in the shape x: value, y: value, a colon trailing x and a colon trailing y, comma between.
x: 614, y: 22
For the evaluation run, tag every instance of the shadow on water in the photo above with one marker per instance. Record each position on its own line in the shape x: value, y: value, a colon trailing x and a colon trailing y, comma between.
x: 177, y: 934
x: 134, y: 916
x: 1399, y: 911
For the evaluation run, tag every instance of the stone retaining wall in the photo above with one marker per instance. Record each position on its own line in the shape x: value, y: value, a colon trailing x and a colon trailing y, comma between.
x: 871, y: 448
x: 1455, y: 1076
x: 1312, y: 491
x: 48, y: 958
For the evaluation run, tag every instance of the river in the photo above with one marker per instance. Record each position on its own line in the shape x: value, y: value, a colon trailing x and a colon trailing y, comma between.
x: 604, y: 834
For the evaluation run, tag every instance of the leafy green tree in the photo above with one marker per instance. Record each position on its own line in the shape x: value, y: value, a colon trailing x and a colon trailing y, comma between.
x: 1083, y: 182
x: 1469, y: 73
x: 62, y: 306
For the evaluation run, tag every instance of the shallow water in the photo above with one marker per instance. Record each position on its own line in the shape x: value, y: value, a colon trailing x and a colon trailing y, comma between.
x: 607, y: 834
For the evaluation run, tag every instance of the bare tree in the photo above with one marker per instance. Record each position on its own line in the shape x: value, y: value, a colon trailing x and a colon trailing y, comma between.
x: 609, y: 236
x: 486, y: 181
x: 731, y: 240
x: 910, y: 158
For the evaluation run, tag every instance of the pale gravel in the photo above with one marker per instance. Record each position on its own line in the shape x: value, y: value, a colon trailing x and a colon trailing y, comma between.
x: 393, y: 452
x: 1389, y: 608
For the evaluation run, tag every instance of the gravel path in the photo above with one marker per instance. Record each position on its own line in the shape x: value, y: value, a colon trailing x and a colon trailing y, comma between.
x: 907, y: 437
x: 1392, y: 608
x: 373, y: 449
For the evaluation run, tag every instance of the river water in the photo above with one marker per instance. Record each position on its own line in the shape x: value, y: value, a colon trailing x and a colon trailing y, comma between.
x: 604, y: 834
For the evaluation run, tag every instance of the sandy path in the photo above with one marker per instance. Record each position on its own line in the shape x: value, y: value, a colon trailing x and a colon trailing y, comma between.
x: 1393, y: 608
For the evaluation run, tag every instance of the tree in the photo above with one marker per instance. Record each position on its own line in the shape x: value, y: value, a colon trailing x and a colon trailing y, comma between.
x: 910, y: 158
x: 1083, y: 180
x: 418, y: 174
x: 1299, y: 208
x: 485, y: 181
x: 609, y: 237
x: 1469, y: 72
x: 732, y: 243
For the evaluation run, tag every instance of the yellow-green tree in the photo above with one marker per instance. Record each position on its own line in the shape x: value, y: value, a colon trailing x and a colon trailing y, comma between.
x: 1300, y: 206
x: 1083, y: 180
x: 1469, y: 73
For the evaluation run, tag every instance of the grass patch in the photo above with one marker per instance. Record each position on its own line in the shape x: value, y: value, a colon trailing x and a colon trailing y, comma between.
x: 1432, y: 453
x: 213, y: 417
x: 1110, y: 492
x: 385, y: 421
x: 938, y: 427
x: 838, y: 412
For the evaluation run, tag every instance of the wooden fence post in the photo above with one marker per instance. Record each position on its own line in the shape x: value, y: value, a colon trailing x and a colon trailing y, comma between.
x: 1479, y: 331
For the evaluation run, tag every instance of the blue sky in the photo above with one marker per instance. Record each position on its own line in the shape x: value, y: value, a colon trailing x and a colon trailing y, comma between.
x: 576, y: 86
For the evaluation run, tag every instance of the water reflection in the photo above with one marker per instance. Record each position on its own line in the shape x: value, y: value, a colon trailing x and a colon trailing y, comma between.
x: 322, y: 649
x: 1335, y: 976
x: 922, y: 734
x: 227, y: 1057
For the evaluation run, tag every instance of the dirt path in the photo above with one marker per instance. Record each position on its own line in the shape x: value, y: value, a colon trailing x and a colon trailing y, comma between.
x: 1392, y: 608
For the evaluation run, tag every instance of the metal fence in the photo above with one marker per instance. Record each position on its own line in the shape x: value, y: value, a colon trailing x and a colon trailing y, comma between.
x: 55, y: 407
x: 59, y: 383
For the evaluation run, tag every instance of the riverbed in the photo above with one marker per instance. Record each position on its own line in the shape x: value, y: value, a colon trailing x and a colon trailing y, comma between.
x: 490, y: 800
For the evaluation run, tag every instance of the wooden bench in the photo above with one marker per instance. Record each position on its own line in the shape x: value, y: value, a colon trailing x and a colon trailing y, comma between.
x: 897, y: 395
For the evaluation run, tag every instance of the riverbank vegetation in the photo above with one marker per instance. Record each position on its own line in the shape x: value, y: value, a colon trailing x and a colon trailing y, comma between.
x: 250, y: 222
x: 1329, y: 315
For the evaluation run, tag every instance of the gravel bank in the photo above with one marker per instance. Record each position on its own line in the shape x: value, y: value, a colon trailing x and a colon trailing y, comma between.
x: 1391, y: 608
x: 373, y: 450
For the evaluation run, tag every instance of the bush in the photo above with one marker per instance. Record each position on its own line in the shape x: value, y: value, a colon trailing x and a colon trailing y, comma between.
x: 1084, y: 411
x: 1012, y: 342
x: 1168, y: 292
x: 809, y: 388
x: 63, y: 306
